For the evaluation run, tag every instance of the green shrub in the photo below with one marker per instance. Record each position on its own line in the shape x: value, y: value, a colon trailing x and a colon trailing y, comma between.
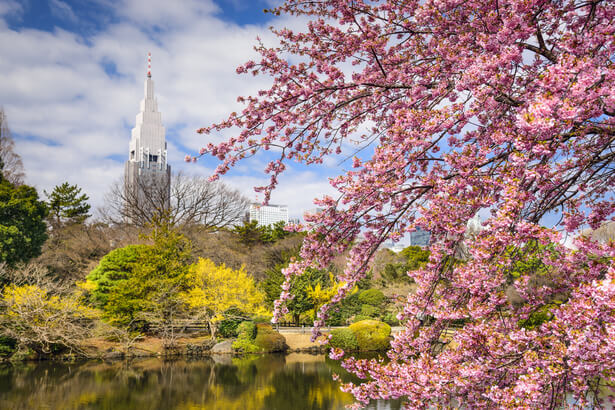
x: 344, y: 339
x: 8, y: 345
x: 246, y: 330
x: 372, y: 297
x: 537, y: 318
x: 245, y: 346
x: 359, y: 318
x: 118, y: 265
x: 227, y: 328
x: 371, y: 334
x: 346, y: 309
x: 262, y: 319
x: 335, y: 318
x: 369, y: 311
x: 390, y: 319
x: 268, y: 340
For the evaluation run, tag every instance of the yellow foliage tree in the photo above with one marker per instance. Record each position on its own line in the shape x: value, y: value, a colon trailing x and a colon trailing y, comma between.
x: 42, y: 321
x: 321, y: 295
x: 216, y: 289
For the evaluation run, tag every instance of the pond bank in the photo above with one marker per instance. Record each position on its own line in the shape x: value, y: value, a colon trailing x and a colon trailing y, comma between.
x: 149, y: 346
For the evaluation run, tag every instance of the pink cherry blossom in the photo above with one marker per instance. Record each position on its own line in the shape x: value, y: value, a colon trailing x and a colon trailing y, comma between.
x: 500, y: 106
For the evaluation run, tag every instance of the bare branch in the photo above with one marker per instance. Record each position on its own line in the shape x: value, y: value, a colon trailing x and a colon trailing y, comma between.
x: 193, y: 201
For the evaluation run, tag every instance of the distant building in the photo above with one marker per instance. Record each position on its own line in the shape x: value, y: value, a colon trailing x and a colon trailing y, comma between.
x: 474, y: 225
x: 146, y: 173
x: 395, y: 247
x: 419, y: 238
x: 268, y: 214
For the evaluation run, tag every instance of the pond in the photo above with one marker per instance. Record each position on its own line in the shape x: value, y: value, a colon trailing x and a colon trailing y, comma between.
x: 295, y: 381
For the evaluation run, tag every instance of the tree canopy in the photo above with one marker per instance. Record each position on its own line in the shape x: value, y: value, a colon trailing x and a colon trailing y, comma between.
x: 188, y: 201
x: 251, y: 233
x: 22, y: 223
x: 141, y: 284
x: 500, y: 106
x: 217, y: 289
x: 67, y: 204
x: 115, y: 267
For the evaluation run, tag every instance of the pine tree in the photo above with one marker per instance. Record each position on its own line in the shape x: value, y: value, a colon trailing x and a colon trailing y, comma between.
x: 67, y: 205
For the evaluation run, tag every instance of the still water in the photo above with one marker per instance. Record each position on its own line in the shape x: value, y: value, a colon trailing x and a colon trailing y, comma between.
x: 267, y: 382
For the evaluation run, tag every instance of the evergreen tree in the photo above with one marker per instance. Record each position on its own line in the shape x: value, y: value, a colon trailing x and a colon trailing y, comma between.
x: 22, y: 223
x: 67, y: 204
x: 251, y: 233
x: 140, y: 285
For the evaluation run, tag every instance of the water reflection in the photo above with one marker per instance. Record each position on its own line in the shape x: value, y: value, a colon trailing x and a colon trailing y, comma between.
x: 295, y: 381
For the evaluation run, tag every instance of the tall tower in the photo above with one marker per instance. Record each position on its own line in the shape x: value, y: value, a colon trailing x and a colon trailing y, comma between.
x: 147, y: 176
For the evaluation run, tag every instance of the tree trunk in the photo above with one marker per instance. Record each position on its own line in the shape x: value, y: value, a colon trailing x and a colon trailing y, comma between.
x: 212, y: 329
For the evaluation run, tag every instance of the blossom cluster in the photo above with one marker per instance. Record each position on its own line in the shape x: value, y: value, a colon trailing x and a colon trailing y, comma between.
x: 503, y: 107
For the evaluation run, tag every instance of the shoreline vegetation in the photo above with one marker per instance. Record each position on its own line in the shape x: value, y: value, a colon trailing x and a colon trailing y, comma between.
x: 172, y: 291
x: 198, y: 344
x: 170, y: 287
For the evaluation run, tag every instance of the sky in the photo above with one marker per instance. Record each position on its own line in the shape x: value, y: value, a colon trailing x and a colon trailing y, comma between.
x: 71, y: 79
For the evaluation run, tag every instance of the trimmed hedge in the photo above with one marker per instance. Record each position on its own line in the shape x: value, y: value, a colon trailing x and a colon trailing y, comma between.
x: 360, y: 318
x: 372, y: 297
x: 344, y: 339
x: 246, y: 330
x: 370, y: 311
x: 268, y: 340
x: 390, y: 319
x: 260, y: 337
x: 227, y: 328
x: 245, y: 346
x: 371, y: 334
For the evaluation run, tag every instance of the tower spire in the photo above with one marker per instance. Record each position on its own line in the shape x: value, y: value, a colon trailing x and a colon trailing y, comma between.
x: 147, y: 172
x: 149, y: 65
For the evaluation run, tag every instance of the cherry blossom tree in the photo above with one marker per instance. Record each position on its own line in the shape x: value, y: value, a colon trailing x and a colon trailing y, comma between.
x: 503, y: 107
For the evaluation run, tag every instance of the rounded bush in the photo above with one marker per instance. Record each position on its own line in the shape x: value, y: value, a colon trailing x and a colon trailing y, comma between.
x: 359, y: 318
x: 344, y: 339
x: 268, y: 340
x: 371, y: 334
x: 369, y: 311
x: 372, y: 297
x: 227, y: 328
x: 246, y: 330
x: 390, y: 319
x: 245, y: 346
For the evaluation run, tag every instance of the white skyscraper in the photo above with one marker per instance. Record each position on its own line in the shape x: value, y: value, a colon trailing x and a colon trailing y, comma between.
x: 147, y: 174
x: 268, y: 214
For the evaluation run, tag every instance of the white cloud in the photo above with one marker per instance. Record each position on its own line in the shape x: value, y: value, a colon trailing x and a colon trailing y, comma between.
x: 10, y: 7
x: 71, y: 102
x: 165, y: 14
x: 62, y: 10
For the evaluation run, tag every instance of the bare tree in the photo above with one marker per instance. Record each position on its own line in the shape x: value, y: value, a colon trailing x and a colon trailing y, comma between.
x: 193, y: 201
x: 10, y: 162
x: 32, y: 273
x: 72, y: 251
x: 41, y: 313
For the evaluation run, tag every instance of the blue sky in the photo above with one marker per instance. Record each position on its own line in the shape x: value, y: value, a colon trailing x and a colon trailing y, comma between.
x: 87, y: 17
x: 71, y: 78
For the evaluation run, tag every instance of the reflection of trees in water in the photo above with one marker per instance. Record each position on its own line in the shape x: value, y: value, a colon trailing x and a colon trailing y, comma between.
x: 260, y: 382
